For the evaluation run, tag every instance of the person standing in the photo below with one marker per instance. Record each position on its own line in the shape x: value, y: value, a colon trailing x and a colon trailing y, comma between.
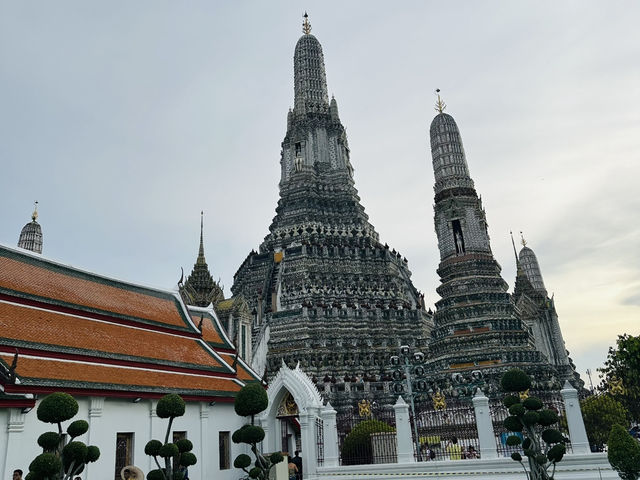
x: 454, y: 450
x: 297, y: 460
x: 17, y: 474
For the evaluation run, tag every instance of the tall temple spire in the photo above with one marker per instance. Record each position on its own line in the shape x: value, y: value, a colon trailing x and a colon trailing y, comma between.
x: 310, y: 80
x: 200, y: 289
x: 529, y: 262
x: 476, y: 324
x: 31, y: 234
x: 449, y: 160
x: 321, y: 279
x: 201, y: 259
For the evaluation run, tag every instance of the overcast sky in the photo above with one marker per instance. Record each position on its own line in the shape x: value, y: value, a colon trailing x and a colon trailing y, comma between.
x: 125, y: 119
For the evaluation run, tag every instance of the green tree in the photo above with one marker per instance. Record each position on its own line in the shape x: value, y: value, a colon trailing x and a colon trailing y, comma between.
x: 251, y: 400
x: 357, y: 447
x: 622, y: 373
x: 170, y: 406
x: 60, y: 460
x: 624, y: 453
x: 600, y: 413
x: 544, y: 447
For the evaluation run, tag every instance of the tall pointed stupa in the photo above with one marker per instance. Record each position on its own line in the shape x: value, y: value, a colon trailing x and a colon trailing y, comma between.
x: 326, y: 292
x: 478, y: 331
x: 200, y: 289
x: 538, y: 311
x: 31, y: 234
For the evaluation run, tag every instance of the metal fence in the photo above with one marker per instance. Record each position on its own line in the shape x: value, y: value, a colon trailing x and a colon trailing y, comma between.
x: 446, y: 429
x: 319, y: 441
x: 367, y: 435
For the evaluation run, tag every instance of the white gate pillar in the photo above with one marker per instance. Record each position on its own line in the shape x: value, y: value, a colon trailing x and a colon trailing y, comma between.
x: 404, y: 439
x: 486, y: 436
x: 307, y: 433
x: 577, y: 432
x: 331, y: 455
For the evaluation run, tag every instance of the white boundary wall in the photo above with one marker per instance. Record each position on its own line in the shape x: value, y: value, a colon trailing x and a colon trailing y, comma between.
x: 592, y: 466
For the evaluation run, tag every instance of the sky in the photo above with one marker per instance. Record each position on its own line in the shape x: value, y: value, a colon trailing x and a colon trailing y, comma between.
x: 125, y: 119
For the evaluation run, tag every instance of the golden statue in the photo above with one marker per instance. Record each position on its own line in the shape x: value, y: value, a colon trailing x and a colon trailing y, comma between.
x: 364, y: 408
x: 439, y: 403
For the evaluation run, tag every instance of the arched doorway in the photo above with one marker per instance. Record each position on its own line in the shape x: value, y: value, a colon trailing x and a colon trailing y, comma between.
x: 292, y: 421
x: 288, y: 417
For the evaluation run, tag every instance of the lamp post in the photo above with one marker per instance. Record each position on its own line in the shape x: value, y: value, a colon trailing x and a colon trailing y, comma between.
x: 409, y: 367
x: 465, y: 384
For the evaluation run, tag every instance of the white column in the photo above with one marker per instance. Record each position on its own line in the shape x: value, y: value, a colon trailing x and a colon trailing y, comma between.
x: 205, y: 458
x: 404, y: 439
x: 577, y: 432
x: 154, y: 428
x: 307, y: 432
x: 331, y: 454
x: 15, y: 440
x: 96, y: 406
x: 486, y: 436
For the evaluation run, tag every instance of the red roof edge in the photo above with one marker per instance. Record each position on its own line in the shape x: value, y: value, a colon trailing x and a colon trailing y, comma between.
x: 128, y: 395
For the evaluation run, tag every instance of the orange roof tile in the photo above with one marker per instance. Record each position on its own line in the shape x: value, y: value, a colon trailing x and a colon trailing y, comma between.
x: 45, y: 327
x: 98, y: 375
x: 210, y: 333
x: 245, y: 375
x: 43, y: 279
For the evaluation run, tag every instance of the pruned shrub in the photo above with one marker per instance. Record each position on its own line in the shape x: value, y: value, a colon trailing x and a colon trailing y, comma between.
x: 357, y: 445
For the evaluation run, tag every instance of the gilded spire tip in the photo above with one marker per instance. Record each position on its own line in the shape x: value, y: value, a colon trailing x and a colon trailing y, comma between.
x: 34, y: 215
x: 440, y: 105
x: 306, y: 26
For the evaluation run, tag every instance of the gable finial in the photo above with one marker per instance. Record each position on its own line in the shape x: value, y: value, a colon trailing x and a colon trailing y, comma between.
x: 306, y: 26
x: 34, y: 215
x: 440, y: 105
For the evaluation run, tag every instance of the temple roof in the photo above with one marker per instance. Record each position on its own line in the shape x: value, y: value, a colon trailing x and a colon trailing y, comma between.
x: 81, y: 332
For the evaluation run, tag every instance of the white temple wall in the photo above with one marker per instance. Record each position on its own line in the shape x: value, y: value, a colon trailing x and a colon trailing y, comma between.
x: 201, y: 421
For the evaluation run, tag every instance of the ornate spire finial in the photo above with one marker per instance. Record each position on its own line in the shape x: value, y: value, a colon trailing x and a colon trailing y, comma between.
x: 201, y: 250
x: 522, y: 240
x: 306, y: 26
x: 440, y: 105
x: 34, y: 215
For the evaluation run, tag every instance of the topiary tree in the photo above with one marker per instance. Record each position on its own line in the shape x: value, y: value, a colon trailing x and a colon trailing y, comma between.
x: 251, y: 400
x: 356, y: 448
x: 60, y: 460
x: 624, y: 453
x: 600, y: 413
x: 544, y: 447
x: 170, y: 406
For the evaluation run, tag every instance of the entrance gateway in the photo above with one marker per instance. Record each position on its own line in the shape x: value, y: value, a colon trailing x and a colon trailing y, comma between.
x: 293, y: 420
